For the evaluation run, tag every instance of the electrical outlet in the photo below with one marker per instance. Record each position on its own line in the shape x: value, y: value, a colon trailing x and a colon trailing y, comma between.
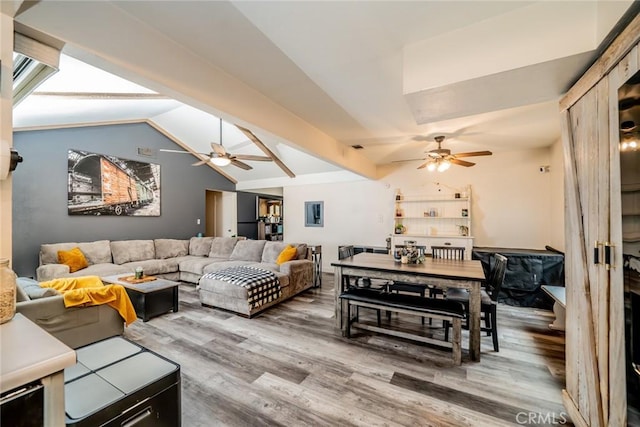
x: 198, y: 221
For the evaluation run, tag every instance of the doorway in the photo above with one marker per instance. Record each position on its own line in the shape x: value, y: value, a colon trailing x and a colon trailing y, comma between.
x: 629, y: 119
x: 220, y: 213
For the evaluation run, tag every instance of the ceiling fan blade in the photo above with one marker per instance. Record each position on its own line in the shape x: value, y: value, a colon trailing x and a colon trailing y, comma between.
x: 422, y: 166
x: 474, y: 154
x: 200, y: 163
x: 251, y: 157
x: 266, y: 151
x: 240, y: 164
x: 461, y: 162
x: 218, y: 149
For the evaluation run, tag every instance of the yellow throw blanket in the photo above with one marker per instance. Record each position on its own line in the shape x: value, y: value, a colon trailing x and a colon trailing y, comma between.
x: 89, y: 290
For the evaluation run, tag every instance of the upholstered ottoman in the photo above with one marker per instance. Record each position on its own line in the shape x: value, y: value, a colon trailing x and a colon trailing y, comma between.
x: 215, y: 290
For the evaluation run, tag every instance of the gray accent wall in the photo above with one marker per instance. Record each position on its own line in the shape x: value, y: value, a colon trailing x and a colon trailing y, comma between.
x: 40, y: 190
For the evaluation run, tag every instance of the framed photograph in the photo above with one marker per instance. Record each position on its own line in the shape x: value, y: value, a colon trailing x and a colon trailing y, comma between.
x: 314, y: 214
x: 99, y: 184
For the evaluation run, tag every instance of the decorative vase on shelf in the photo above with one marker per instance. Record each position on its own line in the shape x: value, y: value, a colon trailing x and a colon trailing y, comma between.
x: 7, y: 291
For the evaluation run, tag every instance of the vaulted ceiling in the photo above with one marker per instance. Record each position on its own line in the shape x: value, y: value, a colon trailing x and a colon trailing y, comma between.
x: 313, y: 78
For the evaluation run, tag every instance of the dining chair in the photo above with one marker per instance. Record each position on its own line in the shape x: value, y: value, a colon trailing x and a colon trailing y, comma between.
x: 444, y: 252
x: 346, y: 251
x: 447, y: 252
x: 488, y: 300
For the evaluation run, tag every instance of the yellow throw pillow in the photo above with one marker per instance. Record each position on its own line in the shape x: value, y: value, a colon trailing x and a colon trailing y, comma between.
x: 74, y: 258
x: 287, y: 254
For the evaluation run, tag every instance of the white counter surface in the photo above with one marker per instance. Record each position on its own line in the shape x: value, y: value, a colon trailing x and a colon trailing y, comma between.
x: 28, y: 353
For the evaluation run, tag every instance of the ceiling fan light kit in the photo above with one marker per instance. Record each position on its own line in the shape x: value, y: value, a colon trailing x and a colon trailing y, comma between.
x: 444, y: 165
x: 440, y: 159
x: 220, y: 161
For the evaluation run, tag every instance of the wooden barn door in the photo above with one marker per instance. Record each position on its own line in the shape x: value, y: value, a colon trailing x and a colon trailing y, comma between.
x: 595, y: 393
x: 586, y: 151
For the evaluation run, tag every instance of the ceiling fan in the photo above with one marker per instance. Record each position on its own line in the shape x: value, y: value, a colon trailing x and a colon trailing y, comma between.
x: 440, y: 159
x: 220, y: 157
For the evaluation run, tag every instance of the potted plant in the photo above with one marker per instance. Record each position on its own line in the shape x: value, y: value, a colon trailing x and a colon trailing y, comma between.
x: 399, y: 228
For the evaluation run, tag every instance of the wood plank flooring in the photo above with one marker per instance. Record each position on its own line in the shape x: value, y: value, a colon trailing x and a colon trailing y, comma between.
x: 290, y: 367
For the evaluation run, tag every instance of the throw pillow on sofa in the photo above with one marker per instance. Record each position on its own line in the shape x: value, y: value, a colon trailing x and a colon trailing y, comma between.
x: 73, y: 258
x: 287, y: 254
x: 32, y: 288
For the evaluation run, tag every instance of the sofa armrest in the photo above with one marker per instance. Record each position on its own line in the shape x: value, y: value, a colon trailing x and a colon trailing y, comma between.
x: 42, y: 307
x: 295, y: 265
x: 300, y: 271
x: 74, y: 326
x: 51, y: 271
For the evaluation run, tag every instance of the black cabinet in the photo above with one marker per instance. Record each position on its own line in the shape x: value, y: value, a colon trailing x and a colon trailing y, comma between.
x: 117, y: 382
x: 527, y: 271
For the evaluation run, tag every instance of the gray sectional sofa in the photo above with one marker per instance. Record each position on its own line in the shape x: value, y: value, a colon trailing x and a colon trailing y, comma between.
x: 187, y: 261
x: 74, y: 326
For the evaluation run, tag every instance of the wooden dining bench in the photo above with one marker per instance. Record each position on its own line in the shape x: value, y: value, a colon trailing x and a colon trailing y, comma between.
x: 450, y: 312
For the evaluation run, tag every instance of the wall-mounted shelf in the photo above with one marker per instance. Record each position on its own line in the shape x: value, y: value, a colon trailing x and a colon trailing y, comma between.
x: 434, y: 220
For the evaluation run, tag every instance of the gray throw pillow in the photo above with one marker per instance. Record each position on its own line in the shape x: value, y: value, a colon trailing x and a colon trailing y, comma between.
x: 33, y: 289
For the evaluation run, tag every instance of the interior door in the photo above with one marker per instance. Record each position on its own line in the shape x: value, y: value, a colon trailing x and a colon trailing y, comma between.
x: 586, y: 150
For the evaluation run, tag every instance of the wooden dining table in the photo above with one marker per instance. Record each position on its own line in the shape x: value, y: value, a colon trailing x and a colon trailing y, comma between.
x: 442, y: 273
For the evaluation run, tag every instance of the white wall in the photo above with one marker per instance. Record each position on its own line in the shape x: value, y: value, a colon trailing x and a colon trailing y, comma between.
x: 6, y: 128
x: 358, y: 212
x: 556, y: 224
x: 511, y: 203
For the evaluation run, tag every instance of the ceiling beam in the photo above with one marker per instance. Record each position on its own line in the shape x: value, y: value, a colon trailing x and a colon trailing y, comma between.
x: 266, y: 151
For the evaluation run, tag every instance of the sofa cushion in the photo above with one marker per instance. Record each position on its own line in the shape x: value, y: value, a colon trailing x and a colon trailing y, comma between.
x: 73, y: 258
x: 32, y: 289
x: 271, y: 251
x: 302, y: 250
x: 200, y: 246
x: 195, y: 265
x: 132, y: 250
x: 248, y: 250
x: 222, y: 247
x: 101, y: 270
x: 171, y: 248
x: 98, y: 252
x: 49, y: 252
x: 151, y: 267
